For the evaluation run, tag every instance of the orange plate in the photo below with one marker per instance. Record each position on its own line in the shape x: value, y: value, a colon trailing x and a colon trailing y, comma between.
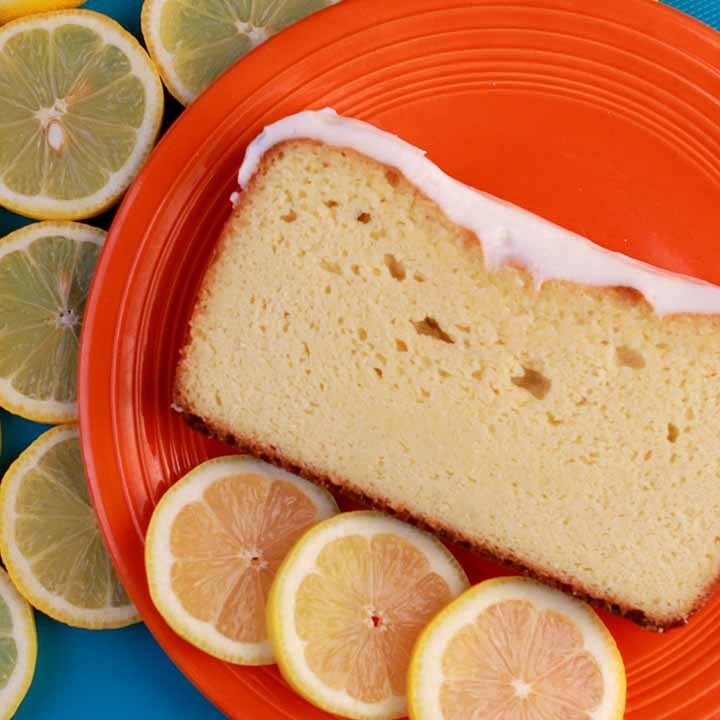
x: 601, y: 116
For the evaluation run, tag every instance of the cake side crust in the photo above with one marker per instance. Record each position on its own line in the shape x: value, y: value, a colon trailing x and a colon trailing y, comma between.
x: 348, y: 490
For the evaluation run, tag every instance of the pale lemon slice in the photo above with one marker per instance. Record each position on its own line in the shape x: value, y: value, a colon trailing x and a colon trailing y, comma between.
x: 11, y: 9
x: 80, y: 107
x: 45, y: 273
x: 347, y: 605
x: 213, y: 546
x: 193, y: 41
x: 18, y: 647
x: 50, y: 540
x: 512, y: 648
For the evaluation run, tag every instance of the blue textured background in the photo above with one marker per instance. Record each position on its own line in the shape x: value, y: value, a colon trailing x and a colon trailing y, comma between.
x: 123, y: 673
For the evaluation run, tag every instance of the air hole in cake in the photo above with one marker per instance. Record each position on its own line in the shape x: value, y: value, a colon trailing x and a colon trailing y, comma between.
x: 331, y: 267
x: 463, y: 328
x: 401, y: 345
x: 378, y: 372
x: 291, y: 216
x: 478, y: 375
x: 672, y: 432
x: 534, y: 382
x: 627, y: 357
x: 395, y: 267
x: 431, y: 328
x: 331, y: 203
x: 393, y: 177
x: 364, y: 218
x: 444, y: 373
x: 419, y: 277
x: 362, y: 334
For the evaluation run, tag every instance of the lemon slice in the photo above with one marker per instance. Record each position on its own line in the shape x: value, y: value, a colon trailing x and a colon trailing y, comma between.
x: 213, y: 545
x: 513, y: 648
x: 45, y: 273
x: 18, y: 647
x: 347, y: 605
x: 11, y: 9
x: 50, y: 541
x: 194, y: 41
x: 80, y: 107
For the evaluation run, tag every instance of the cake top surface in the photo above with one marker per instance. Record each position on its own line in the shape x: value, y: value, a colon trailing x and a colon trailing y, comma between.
x: 506, y: 232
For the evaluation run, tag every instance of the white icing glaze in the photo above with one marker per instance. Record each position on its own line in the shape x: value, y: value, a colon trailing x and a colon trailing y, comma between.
x: 507, y: 232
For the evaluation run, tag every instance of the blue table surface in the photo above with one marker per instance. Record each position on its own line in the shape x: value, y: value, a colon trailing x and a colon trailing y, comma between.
x: 124, y: 673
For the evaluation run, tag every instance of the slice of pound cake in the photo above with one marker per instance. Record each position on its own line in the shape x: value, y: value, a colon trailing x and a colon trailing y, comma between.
x: 381, y: 328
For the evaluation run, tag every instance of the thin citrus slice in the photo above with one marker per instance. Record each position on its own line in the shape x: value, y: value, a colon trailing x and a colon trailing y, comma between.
x: 11, y: 9
x: 45, y: 273
x: 50, y: 540
x: 213, y: 545
x: 347, y: 605
x: 80, y: 107
x: 18, y: 647
x: 194, y: 41
x: 513, y: 649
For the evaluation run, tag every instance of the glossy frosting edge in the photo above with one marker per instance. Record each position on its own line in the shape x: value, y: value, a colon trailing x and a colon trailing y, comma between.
x: 507, y: 232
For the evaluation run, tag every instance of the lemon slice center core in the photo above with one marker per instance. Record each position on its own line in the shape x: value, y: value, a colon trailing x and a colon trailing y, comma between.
x: 256, y: 34
x: 376, y: 619
x: 254, y: 558
x: 52, y: 125
x: 522, y: 688
x: 67, y: 318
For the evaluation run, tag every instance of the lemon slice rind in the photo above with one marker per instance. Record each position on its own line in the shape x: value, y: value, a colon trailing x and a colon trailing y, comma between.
x: 43, y: 207
x: 13, y: 9
x: 25, y: 636
x: 159, y: 556
x: 42, y: 411
x: 289, y: 647
x: 18, y: 567
x: 425, y: 675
